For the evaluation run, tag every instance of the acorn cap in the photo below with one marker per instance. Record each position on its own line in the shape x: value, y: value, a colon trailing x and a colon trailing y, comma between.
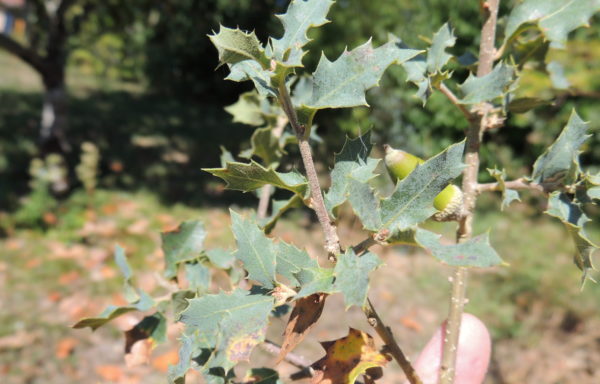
x: 449, y: 203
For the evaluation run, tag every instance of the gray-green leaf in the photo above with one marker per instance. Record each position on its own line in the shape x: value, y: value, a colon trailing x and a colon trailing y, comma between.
x: 186, y: 243
x: 235, y: 45
x: 554, y: 164
x: 489, y: 87
x: 475, y: 252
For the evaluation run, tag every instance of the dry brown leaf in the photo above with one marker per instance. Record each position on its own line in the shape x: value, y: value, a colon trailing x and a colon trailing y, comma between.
x: 347, y: 358
x: 112, y: 373
x: 304, y: 316
x: 162, y: 362
x: 65, y: 347
x: 18, y: 340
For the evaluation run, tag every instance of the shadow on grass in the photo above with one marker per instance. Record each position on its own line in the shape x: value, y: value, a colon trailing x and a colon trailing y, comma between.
x: 146, y: 142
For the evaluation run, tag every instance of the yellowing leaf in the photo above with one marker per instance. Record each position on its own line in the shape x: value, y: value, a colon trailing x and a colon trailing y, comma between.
x: 347, y: 358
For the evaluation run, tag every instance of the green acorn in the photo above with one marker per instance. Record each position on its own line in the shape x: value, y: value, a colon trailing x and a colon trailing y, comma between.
x: 400, y: 164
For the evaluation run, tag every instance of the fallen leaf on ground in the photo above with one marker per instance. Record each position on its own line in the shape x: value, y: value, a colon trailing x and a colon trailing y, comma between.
x: 19, y: 339
x: 162, y: 362
x: 65, y: 347
x: 112, y: 373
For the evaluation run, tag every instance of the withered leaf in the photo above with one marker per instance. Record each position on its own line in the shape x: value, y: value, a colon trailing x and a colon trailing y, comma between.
x: 304, y: 316
x: 347, y: 358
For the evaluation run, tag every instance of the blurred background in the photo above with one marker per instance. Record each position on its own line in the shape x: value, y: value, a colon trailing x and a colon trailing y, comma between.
x: 108, y: 110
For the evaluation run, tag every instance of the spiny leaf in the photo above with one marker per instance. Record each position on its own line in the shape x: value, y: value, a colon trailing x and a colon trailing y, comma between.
x: 555, y: 18
x: 255, y: 250
x: 489, y: 87
x: 365, y: 204
x: 412, y: 200
x: 352, y: 276
x: 436, y: 55
x: 508, y: 195
x: 206, y: 313
x: 251, y: 70
x: 561, y: 207
x: 316, y: 280
x: 186, y: 243
x: 291, y: 261
x: 301, y: 15
x: 554, y: 164
x: 343, y: 83
x: 235, y: 45
x: 278, y: 208
x: 475, y: 252
x: 252, y: 176
x: 525, y: 104
x: 573, y: 217
x: 247, y: 110
x: 303, y: 318
x: 198, y: 276
x: 266, y: 146
x: 347, y: 358
x: 112, y: 312
x: 354, y: 154
x: 176, y: 373
x: 226, y: 157
x: 220, y: 258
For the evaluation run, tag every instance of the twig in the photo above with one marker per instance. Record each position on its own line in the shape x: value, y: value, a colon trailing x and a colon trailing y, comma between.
x: 332, y: 242
x: 518, y: 184
x: 452, y: 97
x: 469, y: 186
x: 364, y: 245
x: 391, y: 345
x: 297, y: 361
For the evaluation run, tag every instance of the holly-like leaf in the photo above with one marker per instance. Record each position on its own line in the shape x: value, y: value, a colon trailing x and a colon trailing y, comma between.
x: 475, y: 252
x: 301, y: 15
x: 255, y: 250
x: 343, y: 83
x: 489, y: 87
x: 186, y: 243
x: 412, y: 200
x: 347, y: 358
x: 251, y: 70
x: 561, y: 207
x: 508, y: 195
x: 220, y: 258
x: 252, y: 176
x: 235, y: 45
x: 354, y: 154
x: 315, y: 280
x: 352, y: 276
x: 208, y: 312
x: 266, y: 146
x: 365, y: 204
x: 247, y: 110
x: 198, y: 276
x: 437, y: 56
x: 556, y: 162
x: 112, y: 312
x: 573, y: 217
x: 292, y: 261
x: 555, y: 18
x: 525, y: 104
x: 176, y: 373
x: 278, y: 208
x: 303, y: 318
x: 226, y: 157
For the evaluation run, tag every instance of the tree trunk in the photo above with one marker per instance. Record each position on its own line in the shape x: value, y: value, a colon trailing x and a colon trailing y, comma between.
x: 54, y: 119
